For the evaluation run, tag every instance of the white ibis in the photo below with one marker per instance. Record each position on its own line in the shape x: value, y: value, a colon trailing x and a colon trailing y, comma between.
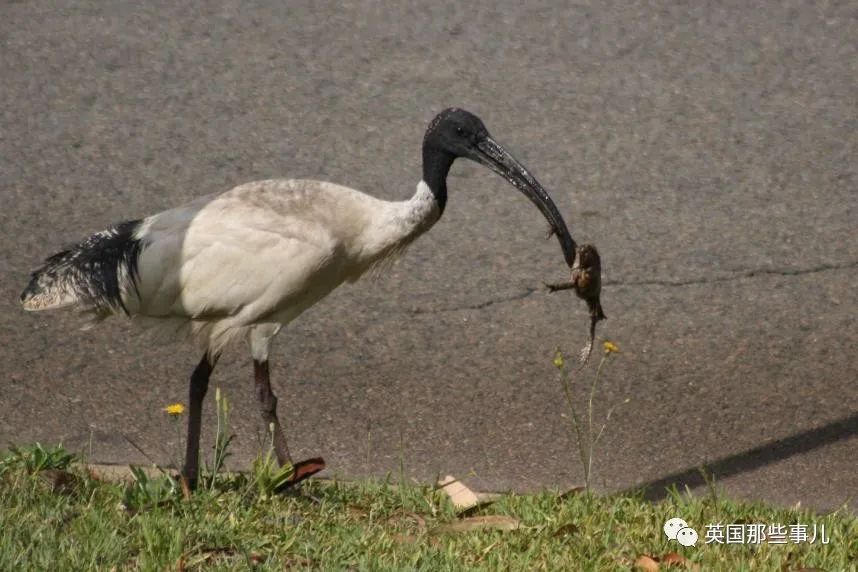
x: 246, y: 262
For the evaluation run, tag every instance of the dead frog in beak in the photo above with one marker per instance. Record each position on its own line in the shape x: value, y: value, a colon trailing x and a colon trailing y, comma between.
x: 587, y: 282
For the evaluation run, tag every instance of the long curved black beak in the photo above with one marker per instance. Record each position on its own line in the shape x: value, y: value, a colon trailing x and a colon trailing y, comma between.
x: 491, y: 154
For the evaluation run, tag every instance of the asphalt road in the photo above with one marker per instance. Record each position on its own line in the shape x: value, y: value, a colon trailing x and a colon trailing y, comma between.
x: 708, y: 149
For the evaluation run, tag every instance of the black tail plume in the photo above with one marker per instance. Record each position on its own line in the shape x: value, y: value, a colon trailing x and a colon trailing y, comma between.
x: 92, y: 273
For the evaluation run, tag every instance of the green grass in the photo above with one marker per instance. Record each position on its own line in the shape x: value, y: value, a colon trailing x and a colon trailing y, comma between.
x: 57, y: 517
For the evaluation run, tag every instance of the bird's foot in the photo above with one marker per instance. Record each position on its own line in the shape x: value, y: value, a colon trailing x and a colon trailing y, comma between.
x: 303, y: 470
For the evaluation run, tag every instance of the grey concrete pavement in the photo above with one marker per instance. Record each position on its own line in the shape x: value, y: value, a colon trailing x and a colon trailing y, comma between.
x: 709, y: 150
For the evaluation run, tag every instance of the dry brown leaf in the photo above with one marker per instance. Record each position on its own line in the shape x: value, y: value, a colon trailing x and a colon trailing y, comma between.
x: 487, y: 522
x: 673, y: 558
x: 461, y: 496
x: 649, y: 562
x: 646, y: 563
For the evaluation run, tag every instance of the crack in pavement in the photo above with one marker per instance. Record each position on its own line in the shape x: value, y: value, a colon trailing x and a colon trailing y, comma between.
x: 480, y: 306
x: 735, y: 276
x: 690, y: 282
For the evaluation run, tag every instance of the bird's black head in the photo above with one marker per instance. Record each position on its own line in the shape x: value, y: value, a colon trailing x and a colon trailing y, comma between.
x: 458, y: 133
x: 455, y: 132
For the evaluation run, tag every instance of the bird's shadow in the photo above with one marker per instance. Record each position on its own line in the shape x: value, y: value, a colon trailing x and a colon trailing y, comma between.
x: 751, y: 459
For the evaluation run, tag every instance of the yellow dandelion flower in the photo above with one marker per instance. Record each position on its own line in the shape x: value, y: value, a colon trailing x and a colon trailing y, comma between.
x: 610, y: 347
x: 175, y: 409
x: 558, y: 360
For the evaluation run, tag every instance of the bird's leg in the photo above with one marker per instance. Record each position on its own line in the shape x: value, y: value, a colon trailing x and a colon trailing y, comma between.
x: 268, y: 408
x: 198, y: 387
x: 260, y: 344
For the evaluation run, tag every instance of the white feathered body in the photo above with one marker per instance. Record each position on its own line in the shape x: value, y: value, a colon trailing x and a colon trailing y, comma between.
x: 246, y: 261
